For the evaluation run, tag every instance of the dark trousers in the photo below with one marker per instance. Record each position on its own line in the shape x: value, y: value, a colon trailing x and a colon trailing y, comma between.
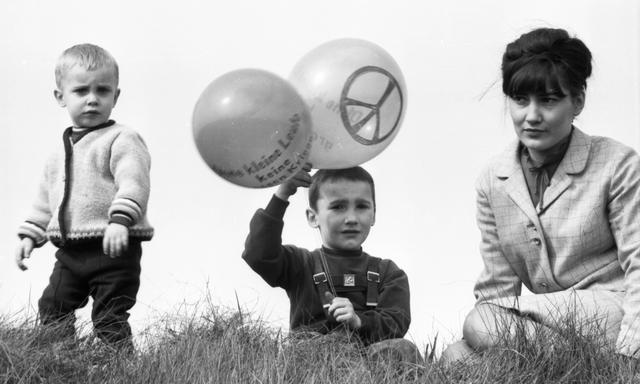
x: 82, y: 271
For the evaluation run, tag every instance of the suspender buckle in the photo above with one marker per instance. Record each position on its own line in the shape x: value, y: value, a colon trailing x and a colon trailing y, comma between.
x: 373, y: 279
x: 373, y: 276
x: 320, y: 278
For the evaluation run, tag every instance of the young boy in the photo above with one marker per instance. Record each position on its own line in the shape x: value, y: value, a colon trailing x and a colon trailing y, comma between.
x: 336, y: 287
x: 91, y: 203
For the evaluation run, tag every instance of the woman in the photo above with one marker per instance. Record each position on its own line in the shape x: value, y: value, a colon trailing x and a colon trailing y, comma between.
x: 558, y: 211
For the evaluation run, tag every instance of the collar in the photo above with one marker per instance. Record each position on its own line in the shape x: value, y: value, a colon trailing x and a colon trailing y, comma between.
x: 574, y: 160
x: 551, y: 157
x: 107, y: 123
x: 342, y: 253
x: 77, y: 133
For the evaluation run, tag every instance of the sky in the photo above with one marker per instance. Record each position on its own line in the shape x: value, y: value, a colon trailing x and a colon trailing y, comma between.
x: 455, y: 120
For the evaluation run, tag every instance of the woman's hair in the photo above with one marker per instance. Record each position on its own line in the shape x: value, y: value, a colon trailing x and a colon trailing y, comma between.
x: 544, y: 61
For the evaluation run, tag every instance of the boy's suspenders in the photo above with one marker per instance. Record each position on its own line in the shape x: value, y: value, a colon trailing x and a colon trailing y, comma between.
x: 321, y: 281
x: 325, y: 283
x: 373, y: 280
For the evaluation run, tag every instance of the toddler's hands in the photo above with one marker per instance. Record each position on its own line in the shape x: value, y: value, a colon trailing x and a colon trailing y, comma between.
x: 342, y: 310
x: 24, y: 252
x: 116, y: 240
x: 300, y: 179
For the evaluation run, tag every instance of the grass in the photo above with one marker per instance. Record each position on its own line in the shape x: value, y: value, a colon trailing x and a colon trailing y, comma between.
x: 229, y: 347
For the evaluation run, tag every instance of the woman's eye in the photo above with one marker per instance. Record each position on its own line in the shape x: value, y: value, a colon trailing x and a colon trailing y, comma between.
x: 520, y: 100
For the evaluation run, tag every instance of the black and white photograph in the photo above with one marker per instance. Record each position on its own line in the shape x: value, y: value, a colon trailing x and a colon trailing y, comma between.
x: 320, y: 192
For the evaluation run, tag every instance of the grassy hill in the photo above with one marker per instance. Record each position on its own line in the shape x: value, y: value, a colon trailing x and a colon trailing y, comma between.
x: 230, y: 347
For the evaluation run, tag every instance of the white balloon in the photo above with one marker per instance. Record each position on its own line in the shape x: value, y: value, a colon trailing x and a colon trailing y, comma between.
x: 252, y: 128
x: 357, y: 97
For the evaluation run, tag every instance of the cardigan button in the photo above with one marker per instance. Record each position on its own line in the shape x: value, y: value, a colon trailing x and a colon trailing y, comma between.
x: 536, y: 241
x: 544, y: 285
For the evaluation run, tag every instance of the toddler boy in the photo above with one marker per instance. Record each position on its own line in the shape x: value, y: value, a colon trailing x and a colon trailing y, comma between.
x: 338, y: 286
x: 91, y: 203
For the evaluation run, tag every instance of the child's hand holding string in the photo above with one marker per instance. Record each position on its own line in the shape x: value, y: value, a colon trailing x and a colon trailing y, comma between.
x: 342, y: 310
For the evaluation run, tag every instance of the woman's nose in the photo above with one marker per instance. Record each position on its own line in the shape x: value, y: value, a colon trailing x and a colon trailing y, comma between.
x: 533, y: 114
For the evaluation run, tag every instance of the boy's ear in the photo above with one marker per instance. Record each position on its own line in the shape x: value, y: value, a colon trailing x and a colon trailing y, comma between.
x: 58, y: 95
x: 115, y: 97
x: 312, y: 218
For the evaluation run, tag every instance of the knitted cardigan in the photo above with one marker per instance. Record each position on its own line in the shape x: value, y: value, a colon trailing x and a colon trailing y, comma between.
x: 108, y: 176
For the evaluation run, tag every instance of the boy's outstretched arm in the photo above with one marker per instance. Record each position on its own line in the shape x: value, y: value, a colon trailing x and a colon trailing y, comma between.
x: 277, y: 264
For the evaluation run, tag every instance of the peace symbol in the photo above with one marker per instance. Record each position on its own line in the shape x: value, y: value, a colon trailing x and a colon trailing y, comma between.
x: 373, y: 109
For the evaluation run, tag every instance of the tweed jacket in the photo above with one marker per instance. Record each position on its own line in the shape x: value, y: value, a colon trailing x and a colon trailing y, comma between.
x: 585, y: 236
x: 109, y: 174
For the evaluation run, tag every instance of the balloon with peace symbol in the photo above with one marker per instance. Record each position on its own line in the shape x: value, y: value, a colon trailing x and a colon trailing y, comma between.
x: 357, y: 97
x: 378, y: 119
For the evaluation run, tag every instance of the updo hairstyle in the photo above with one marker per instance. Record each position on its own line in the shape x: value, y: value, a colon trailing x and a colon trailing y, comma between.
x: 545, y: 61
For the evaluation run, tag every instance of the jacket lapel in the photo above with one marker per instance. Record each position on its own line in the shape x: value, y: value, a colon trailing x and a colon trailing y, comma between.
x: 573, y: 162
x: 515, y: 186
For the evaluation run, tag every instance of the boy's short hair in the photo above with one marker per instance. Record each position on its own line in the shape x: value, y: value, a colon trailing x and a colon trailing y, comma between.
x: 89, y: 56
x: 349, y: 174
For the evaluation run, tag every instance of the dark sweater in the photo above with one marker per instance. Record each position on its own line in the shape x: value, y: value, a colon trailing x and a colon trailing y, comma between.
x: 291, y: 268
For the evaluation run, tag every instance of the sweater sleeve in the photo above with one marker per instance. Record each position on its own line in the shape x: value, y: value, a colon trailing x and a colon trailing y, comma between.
x: 37, y: 220
x: 130, y: 165
x: 391, y: 317
x: 263, y: 251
